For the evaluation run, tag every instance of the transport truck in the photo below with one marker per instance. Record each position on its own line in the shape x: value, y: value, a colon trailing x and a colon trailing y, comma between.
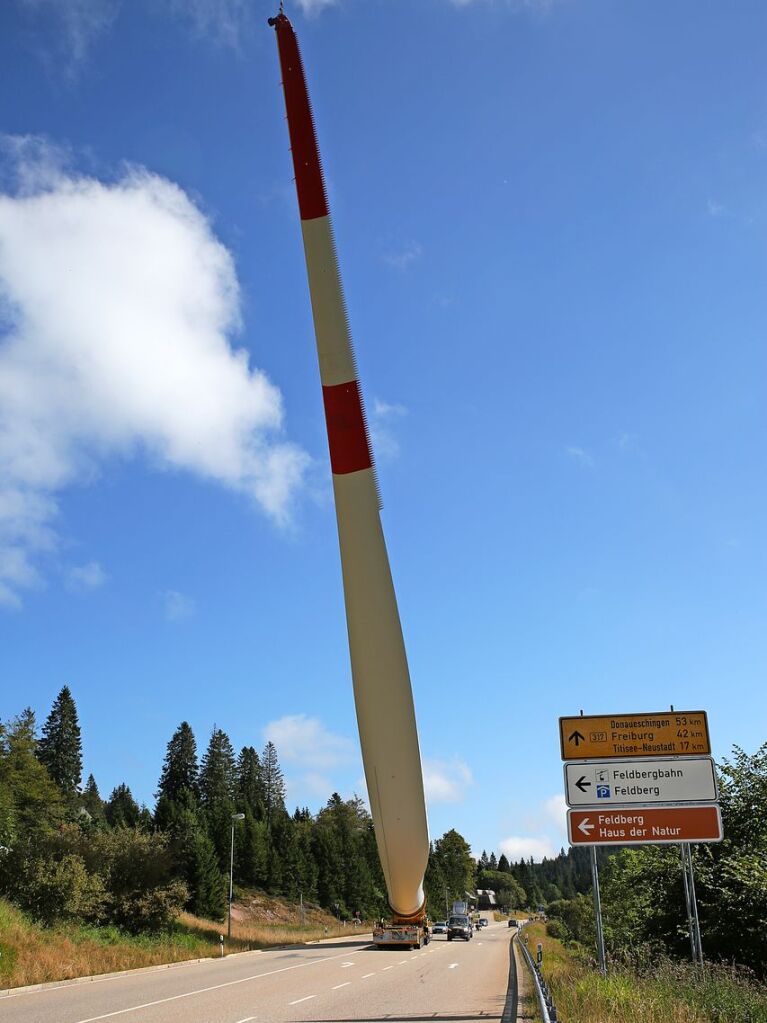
x: 402, y: 935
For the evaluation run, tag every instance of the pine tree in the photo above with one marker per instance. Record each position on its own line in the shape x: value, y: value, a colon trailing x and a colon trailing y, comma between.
x: 274, y: 784
x: 179, y: 769
x: 30, y: 803
x: 218, y: 789
x: 121, y: 809
x: 207, y: 883
x: 60, y: 748
x: 92, y: 801
x: 503, y: 863
x: 251, y: 796
x: 178, y: 788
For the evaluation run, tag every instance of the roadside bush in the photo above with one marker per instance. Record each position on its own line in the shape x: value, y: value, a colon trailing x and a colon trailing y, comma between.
x: 558, y: 929
x: 60, y: 889
x: 577, y: 915
x: 122, y: 877
x: 153, y: 910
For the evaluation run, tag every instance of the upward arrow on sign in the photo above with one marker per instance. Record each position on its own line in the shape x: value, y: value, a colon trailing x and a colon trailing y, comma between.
x: 577, y: 738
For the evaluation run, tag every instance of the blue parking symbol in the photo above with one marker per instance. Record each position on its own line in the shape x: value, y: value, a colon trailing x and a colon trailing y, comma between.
x: 603, y: 791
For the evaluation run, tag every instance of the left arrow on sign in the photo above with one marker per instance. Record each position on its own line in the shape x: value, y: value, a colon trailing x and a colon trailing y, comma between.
x: 585, y: 827
x: 582, y: 784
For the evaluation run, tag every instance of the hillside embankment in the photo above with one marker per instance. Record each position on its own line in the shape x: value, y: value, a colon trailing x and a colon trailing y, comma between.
x: 672, y: 992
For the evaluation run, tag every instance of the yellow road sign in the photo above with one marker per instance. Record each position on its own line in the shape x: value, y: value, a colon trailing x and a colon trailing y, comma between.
x: 665, y: 734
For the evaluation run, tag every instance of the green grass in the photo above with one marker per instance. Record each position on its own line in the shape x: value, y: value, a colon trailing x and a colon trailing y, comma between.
x: 672, y: 993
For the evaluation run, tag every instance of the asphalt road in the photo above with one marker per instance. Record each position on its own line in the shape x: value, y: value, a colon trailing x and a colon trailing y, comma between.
x: 335, y: 982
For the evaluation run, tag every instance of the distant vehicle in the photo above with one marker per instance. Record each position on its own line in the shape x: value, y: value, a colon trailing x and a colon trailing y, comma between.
x: 440, y: 927
x: 483, y: 922
x: 513, y: 923
x: 459, y: 927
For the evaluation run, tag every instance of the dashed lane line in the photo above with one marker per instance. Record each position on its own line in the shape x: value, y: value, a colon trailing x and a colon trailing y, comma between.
x: 366, y: 975
x: 452, y: 966
x: 246, y: 1020
x: 387, y: 968
x: 304, y: 999
x: 345, y: 984
x: 212, y: 987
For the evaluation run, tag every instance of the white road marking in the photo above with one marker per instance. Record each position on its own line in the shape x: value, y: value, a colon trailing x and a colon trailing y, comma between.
x: 346, y: 984
x: 385, y: 968
x: 345, y: 965
x: 305, y: 999
x: 213, y: 987
x: 402, y: 962
x: 452, y: 966
x: 246, y: 1020
x: 479, y: 943
x: 366, y: 975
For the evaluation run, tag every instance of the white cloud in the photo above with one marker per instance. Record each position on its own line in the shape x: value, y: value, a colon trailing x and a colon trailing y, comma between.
x: 446, y: 781
x: 314, y: 7
x: 535, y: 6
x: 555, y: 812
x: 81, y: 21
x: 381, y: 421
x: 402, y: 258
x: 546, y: 831
x: 581, y: 456
x: 225, y: 22
x: 86, y: 577
x: 222, y: 21
x: 177, y: 606
x: 117, y: 306
x: 306, y: 742
x: 520, y: 847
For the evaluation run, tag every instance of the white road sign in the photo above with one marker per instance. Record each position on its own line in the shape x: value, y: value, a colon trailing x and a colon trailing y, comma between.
x: 623, y: 782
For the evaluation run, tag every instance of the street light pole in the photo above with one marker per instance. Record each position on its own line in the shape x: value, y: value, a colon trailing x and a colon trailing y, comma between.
x: 235, y: 817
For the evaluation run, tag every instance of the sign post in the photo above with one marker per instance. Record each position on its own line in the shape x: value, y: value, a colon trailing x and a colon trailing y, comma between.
x: 694, y: 903
x: 598, y: 912
x: 693, y: 944
x: 641, y: 779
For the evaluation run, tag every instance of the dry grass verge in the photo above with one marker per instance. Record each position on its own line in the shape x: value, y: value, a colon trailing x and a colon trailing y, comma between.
x: 254, y: 934
x: 31, y: 954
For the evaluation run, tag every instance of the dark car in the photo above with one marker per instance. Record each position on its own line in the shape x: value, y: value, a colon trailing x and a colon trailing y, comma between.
x: 483, y: 922
x: 459, y: 927
x: 512, y: 923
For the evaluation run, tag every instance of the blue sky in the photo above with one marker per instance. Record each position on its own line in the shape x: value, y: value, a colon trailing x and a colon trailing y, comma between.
x: 552, y: 223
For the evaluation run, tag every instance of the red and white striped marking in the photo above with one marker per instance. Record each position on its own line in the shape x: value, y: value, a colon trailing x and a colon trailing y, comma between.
x: 344, y: 412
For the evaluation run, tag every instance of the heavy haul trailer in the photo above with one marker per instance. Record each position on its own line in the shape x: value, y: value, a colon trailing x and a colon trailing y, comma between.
x: 382, y: 692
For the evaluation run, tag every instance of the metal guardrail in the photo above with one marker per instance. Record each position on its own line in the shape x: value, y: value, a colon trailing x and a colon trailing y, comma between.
x: 545, y: 1001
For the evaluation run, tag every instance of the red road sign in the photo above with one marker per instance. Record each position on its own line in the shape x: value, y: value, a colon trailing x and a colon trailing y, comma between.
x: 645, y: 825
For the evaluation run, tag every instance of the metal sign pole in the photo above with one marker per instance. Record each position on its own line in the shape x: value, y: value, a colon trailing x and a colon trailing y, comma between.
x: 690, y: 924
x: 694, y: 902
x: 598, y: 912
